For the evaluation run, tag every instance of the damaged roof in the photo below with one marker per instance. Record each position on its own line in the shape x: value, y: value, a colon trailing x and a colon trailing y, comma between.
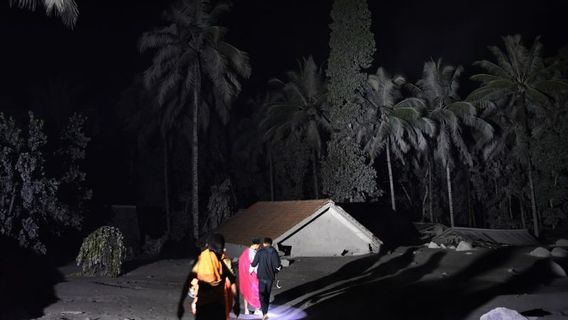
x: 514, y: 237
x: 268, y: 219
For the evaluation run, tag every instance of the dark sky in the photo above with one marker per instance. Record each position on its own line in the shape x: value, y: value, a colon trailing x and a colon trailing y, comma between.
x: 101, y: 52
x: 100, y: 55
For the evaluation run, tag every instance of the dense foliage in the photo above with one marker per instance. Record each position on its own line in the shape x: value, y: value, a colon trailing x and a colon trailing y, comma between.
x: 346, y: 174
x: 221, y: 205
x: 102, y: 252
x: 194, y: 71
x: 33, y: 201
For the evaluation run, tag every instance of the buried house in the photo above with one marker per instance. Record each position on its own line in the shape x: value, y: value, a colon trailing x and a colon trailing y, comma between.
x: 300, y: 229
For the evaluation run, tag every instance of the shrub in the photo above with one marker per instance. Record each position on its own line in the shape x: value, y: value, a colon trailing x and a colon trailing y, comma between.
x: 102, y: 252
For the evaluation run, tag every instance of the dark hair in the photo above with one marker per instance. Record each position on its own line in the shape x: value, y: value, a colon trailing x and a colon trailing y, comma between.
x: 255, y: 241
x: 216, y: 243
x: 267, y: 240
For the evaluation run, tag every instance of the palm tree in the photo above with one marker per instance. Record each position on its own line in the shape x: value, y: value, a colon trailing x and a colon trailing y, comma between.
x: 192, y: 62
x: 438, y: 88
x: 300, y: 109
x: 390, y: 122
x: 67, y: 10
x: 522, y: 85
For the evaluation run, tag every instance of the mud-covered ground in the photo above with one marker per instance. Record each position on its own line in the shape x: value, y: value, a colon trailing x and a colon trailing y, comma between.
x: 408, y: 283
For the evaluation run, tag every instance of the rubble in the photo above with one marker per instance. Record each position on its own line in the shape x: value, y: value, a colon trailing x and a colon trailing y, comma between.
x: 559, y: 252
x: 540, y: 252
x: 464, y: 246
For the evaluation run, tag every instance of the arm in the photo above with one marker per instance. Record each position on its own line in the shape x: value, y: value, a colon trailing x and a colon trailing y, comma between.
x: 185, y: 290
x: 275, y: 261
x: 226, y: 270
x: 254, y: 262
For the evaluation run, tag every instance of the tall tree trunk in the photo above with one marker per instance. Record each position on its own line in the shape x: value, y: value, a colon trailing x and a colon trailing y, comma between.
x: 430, y: 186
x: 468, y: 195
x: 450, y: 201
x: 315, y: 173
x: 510, y: 205
x: 424, y: 203
x: 167, y: 187
x: 522, y: 207
x: 533, y: 203
x: 194, y: 164
x: 393, y: 204
x: 271, y: 174
x: 530, y: 166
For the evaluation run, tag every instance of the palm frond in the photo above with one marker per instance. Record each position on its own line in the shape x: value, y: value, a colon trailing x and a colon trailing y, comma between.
x: 552, y: 87
x: 534, y: 62
x: 67, y: 10
x: 412, y: 102
x: 462, y: 109
x: 492, y: 91
x: 493, y: 68
x: 158, y: 38
x: 484, y: 77
x: 407, y: 114
x: 515, y: 54
x: 221, y: 8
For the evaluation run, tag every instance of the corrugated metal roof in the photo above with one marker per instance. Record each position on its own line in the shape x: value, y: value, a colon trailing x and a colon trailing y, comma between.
x: 268, y: 219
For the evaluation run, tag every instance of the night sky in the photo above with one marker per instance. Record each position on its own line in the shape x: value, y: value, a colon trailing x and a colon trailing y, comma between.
x: 101, y: 57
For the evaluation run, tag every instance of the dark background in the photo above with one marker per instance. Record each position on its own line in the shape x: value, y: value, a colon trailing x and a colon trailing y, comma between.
x: 99, y: 57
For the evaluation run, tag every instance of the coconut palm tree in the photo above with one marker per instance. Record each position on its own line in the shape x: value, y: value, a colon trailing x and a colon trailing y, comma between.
x: 194, y: 70
x: 390, y: 122
x: 438, y: 88
x: 300, y: 109
x: 67, y: 10
x: 521, y: 84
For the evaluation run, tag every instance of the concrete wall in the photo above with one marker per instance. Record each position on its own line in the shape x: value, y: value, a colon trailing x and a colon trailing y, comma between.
x: 328, y: 235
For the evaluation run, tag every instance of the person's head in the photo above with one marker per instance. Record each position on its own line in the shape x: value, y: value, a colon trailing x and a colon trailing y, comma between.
x: 216, y: 243
x: 267, y: 242
x: 255, y: 243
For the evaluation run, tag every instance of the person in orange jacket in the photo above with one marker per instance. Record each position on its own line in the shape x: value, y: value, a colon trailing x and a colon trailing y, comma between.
x: 212, y: 283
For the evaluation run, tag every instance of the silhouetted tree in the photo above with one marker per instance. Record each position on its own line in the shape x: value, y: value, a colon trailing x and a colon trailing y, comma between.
x: 346, y: 176
x: 390, y: 122
x: 300, y: 109
x: 194, y: 69
x: 520, y: 84
x: 30, y: 197
x: 438, y: 88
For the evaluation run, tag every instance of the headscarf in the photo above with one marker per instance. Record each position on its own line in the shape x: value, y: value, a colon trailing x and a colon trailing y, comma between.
x: 208, y: 267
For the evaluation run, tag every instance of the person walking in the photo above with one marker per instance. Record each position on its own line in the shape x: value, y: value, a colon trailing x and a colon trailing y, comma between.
x: 212, y: 283
x: 268, y: 263
x: 248, y: 280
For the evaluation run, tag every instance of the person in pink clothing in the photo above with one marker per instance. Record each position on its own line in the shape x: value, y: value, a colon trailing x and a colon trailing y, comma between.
x: 248, y: 281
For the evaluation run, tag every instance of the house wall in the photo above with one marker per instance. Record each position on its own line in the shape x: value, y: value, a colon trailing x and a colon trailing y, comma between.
x: 234, y: 250
x: 327, y: 235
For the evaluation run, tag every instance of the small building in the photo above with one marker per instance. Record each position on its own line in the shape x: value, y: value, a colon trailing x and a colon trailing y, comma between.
x: 304, y: 228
